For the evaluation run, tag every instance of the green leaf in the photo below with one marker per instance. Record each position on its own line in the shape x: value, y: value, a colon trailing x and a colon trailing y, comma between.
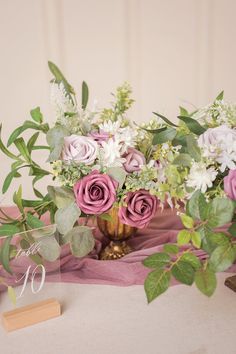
x: 26, y: 125
x: 192, y: 125
x: 205, y: 280
x: 32, y: 141
x: 17, y: 198
x: 183, y: 272
x: 165, y: 119
x: 197, y: 207
x: 196, y: 239
x: 81, y: 240
x: 220, y: 96
x: 171, y: 248
x: 34, y: 222
x: 36, y: 115
x: 8, y: 230
x: 49, y: 248
x: 187, y: 221
x: 222, y: 257
x: 118, y: 174
x: 220, y: 212
x: 5, y: 150
x: 85, y: 95
x: 106, y: 217
x: 21, y: 146
x: 59, y: 77
x: 183, y: 237
x: 157, y: 260
x: 183, y: 160
x: 55, y: 139
x: 11, y: 294
x: 164, y: 136
x: 156, y: 283
x: 183, y: 111
x: 8, y: 180
x: 61, y: 196
x: 66, y: 217
x: 232, y: 230
x: 191, y: 259
x: 193, y: 148
x: 5, y: 254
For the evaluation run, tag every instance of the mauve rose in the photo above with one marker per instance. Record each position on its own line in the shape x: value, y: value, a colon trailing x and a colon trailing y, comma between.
x: 134, y: 160
x: 81, y: 149
x: 95, y: 193
x: 230, y: 184
x: 140, y: 208
x: 100, y: 136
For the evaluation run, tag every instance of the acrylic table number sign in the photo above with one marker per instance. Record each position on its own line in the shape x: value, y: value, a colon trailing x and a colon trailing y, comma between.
x: 29, y: 277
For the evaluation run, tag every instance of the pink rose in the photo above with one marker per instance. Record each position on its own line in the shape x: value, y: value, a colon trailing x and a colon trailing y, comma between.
x: 100, y: 136
x: 95, y: 193
x: 140, y: 209
x: 78, y: 148
x: 134, y: 160
x: 230, y: 184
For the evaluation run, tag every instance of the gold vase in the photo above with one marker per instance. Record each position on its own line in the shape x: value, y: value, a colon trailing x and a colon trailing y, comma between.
x: 118, y: 233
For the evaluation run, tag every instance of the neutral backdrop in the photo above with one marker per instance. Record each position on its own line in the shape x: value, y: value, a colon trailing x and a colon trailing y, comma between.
x: 173, y: 52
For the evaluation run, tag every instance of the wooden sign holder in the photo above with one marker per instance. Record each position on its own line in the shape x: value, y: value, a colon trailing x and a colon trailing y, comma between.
x: 31, y: 314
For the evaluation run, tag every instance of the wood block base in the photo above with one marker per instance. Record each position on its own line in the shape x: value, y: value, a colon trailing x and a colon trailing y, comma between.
x: 31, y: 314
x: 230, y: 282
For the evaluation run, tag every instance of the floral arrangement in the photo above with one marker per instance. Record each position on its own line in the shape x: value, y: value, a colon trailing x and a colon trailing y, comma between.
x: 201, y: 174
x: 99, y: 159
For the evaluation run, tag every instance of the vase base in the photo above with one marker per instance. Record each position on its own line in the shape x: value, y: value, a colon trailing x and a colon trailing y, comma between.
x: 115, y: 250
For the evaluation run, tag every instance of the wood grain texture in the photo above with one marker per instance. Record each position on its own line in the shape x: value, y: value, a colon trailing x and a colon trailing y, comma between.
x: 31, y: 314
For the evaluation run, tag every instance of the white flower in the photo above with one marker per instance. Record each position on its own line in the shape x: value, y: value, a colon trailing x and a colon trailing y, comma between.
x: 219, y: 144
x: 126, y: 136
x: 111, y: 153
x: 201, y: 177
x: 60, y: 100
x: 110, y: 127
x: 79, y: 149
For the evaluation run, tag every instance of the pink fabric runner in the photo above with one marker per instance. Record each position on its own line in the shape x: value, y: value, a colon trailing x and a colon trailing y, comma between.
x: 129, y: 269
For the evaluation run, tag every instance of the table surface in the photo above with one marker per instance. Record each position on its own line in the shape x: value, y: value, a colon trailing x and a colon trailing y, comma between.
x: 106, y: 319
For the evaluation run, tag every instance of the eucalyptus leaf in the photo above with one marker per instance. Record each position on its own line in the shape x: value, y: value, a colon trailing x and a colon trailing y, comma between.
x: 61, y: 196
x: 49, y: 248
x: 118, y: 174
x: 55, y: 139
x: 66, y: 217
x: 81, y: 240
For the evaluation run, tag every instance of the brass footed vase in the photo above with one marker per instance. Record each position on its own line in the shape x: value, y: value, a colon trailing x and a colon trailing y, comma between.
x: 118, y: 233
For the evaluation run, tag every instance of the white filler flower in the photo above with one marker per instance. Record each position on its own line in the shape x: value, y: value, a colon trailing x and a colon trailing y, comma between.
x: 201, y: 177
x: 111, y: 153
